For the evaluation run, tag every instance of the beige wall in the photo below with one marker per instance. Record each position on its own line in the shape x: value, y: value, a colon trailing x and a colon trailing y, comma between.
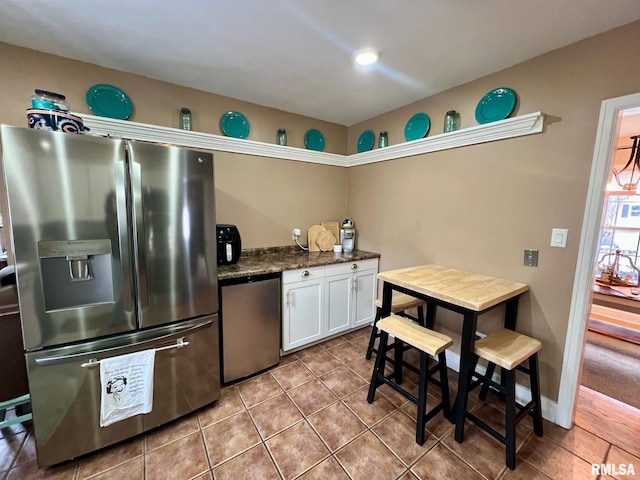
x: 479, y: 207
x: 475, y: 208
x: 265, y: 197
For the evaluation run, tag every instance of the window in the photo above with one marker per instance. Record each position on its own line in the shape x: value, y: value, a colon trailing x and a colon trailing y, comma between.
x: 620, y: 231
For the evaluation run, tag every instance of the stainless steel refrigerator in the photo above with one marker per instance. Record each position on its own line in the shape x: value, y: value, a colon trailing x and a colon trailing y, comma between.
x: 114, y: 244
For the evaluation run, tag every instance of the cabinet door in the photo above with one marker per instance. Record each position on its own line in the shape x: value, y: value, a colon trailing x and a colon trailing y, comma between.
x: 365, y: 286
x: 338, y: 301
x: 303, y: 313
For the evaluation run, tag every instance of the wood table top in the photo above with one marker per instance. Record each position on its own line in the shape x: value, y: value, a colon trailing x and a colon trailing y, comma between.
x: 465, y: 289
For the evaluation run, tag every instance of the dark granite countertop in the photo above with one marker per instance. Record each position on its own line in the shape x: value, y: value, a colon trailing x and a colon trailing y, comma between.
x: 258, y: 261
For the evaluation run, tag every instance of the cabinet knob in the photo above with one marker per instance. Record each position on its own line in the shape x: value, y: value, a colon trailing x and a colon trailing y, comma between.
x: 305, y: 273
x: 354, y: 266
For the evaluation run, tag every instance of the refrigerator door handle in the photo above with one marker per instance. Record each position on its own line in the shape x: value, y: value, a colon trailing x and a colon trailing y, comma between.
x: 59, y: 359
x: 139, y: 235
x: 123, y: 235
x: 181, y: 342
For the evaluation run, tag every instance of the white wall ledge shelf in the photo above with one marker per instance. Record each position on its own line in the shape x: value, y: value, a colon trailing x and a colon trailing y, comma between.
x: 509, y: 128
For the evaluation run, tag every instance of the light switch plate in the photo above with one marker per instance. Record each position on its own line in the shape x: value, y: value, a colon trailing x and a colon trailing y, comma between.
x: 559, y: 237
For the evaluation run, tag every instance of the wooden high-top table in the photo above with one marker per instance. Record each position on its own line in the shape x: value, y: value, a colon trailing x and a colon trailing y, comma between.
x: 467, y: 293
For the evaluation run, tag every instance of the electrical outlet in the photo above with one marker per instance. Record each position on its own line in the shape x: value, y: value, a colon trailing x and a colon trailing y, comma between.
x: 295, y: 233
x: 531, y: 258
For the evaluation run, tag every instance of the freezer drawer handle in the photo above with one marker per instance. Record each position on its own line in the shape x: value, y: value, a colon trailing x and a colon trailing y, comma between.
x: 181, y: 342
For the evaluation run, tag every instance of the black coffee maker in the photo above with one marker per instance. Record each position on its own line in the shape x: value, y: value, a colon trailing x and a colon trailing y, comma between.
x: 229, y: 244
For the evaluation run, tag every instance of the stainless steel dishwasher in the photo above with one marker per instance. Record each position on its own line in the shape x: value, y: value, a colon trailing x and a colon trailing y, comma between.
x: 250, y: 325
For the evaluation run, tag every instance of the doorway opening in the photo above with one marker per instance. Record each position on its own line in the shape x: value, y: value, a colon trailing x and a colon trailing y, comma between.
x: 615, y: 306
x: 584, y: 277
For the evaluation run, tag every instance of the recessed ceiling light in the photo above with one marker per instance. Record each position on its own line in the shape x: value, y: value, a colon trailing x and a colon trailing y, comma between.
x: 366, y: 56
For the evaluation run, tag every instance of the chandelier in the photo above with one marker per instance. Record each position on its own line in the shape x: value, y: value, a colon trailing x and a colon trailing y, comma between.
x: 634, y: 162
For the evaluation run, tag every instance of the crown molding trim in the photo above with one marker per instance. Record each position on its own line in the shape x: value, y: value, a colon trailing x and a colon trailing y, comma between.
x: 509, y: 128
x: 205, y: 141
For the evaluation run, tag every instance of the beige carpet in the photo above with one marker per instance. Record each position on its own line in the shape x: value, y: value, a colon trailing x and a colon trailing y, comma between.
x: 612, y: 367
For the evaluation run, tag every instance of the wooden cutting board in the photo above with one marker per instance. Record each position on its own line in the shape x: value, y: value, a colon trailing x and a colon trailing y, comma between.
x: 334, y: 228
x: 326, y: 241
x: 320, y: 239
x: 313, y: 233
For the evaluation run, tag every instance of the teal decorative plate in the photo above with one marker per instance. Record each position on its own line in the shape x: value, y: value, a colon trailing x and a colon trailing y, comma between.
x: 314, y: 140
x: 417, y: 127
x: 366, y: 141
x: 234, y: 124
x: 496, y: 105
x: 109, y: 101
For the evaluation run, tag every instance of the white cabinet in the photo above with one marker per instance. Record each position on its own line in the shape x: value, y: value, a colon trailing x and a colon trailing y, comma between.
x: 338, y: 302
x: 365, y: 287
x: 350, y: 294
x: 303, y: 312
x: 323, y: 301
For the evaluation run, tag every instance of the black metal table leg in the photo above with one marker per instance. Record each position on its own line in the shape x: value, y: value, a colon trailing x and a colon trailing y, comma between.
x: 510, y: 315
x: 466, y: 356
x: 431, y: 315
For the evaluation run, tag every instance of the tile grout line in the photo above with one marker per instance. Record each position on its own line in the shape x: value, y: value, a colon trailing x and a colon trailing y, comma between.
x: 339, y: 400
x: 305, y: 417
x: 206, y: 450
x: 351, y: 366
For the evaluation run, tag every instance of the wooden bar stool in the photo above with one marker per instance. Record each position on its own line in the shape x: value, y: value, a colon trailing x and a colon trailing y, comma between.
x: 399, y: 303
x: 430, y: 343
x: 509, y: 350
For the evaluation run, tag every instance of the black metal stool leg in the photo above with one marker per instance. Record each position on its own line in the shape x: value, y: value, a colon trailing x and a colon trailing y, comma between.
x: 444, y: 384
x: 534, y: 380
x: 374, y: 334
x: 485, y: 385
x: 378, y: 369
x: 422, y: 397
x: 510, y: 407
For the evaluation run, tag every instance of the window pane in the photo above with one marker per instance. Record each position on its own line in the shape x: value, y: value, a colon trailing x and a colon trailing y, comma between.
x: 605, y: 242
x: 611, y: 210
x: 629, y: 216
x: 627, y: 242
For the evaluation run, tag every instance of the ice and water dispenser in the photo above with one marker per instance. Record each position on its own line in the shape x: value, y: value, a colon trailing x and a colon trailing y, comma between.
x: 76, y: 273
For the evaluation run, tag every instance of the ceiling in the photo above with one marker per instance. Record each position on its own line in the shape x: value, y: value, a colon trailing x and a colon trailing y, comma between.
x: 295, y: 55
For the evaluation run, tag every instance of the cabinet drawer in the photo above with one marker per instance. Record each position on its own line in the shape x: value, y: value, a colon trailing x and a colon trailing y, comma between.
x: 351, y: 267
x: 302, y: 274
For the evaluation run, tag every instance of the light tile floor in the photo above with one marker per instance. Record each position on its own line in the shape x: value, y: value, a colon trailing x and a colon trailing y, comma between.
x: 308, y: 418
